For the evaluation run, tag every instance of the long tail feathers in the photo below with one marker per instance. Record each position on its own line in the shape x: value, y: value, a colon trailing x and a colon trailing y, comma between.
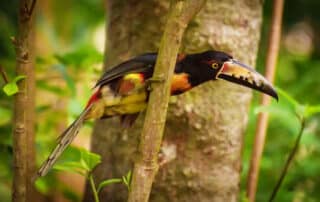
x: 63, y: 141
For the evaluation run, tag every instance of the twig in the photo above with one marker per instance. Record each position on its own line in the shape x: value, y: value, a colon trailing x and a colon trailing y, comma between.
x: 146, y: 166
x: 262, y: 124
x: 33, y: 5
x: 4, y: 75
x: 288, y: 162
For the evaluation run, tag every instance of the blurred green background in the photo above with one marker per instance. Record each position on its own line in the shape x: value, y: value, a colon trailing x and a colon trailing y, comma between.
x: 69, y: 46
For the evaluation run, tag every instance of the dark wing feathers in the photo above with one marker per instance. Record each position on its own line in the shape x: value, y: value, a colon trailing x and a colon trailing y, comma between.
x: 143, y: 63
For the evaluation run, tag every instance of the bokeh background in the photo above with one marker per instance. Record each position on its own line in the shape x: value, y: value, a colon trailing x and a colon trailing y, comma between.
x: 69, y: 46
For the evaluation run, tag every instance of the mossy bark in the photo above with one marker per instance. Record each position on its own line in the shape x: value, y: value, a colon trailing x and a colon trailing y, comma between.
x: 201, y: 152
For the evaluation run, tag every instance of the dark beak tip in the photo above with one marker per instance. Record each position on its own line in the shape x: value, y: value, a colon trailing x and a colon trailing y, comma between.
x: 273, y: 94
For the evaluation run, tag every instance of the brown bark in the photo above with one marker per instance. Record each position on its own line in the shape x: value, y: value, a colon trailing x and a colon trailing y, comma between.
x: 23, y: 131
x: 204, y: 129
x: 262, y: 124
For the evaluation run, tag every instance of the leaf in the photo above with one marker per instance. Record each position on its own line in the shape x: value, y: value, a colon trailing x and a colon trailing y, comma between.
x: 108, y: 182
x: 288, y: 97
x: 75, y: 167
x: 11, y: 88
x: 127, y: 179
x: 89, y: 160
x: 312, y: 110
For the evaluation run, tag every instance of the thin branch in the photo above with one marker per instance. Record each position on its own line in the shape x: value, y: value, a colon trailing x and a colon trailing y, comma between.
x: 4, y: 75
x: 262, y: 124
x: 288, y: 162
x: 147, y: 165
x: 33, y: 5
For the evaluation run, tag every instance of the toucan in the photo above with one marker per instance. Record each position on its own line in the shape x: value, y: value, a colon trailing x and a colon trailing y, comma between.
x: 123, y: 90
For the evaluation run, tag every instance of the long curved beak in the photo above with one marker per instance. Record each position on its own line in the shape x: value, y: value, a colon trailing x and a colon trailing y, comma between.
x: 244, y: 75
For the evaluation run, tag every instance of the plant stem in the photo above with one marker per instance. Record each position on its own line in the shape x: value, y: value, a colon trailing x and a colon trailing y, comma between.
x: 4, y: 75
x: 262, y: 124
x: 93, y: 187
x: 288, y: 162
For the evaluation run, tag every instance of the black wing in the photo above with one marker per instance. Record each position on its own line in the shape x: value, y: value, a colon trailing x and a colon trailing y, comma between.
x: 143, y: 63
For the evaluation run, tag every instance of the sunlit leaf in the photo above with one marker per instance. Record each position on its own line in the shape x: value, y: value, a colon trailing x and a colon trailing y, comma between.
x: 11, y: 88
x: 89, y: 160
x: 312, y: 110
x: 75, y: 167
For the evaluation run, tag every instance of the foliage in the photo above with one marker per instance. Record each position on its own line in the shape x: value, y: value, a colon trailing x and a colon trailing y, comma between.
x: 85, y: 166
x: 11, y: 88
x: 68, y: 62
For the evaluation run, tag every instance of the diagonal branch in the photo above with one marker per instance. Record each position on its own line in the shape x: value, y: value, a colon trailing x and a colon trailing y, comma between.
x: 146, y: 166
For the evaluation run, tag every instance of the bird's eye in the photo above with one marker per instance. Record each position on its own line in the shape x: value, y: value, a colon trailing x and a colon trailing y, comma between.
x: 215, y: 65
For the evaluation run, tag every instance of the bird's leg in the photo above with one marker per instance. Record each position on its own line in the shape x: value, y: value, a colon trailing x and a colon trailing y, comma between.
x: 152, y: 80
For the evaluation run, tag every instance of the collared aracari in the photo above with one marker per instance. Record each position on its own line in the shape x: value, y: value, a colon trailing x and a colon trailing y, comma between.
x: 123, y: 90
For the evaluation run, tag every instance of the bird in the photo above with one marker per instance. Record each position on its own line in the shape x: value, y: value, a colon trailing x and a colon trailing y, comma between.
x: 124, y: 89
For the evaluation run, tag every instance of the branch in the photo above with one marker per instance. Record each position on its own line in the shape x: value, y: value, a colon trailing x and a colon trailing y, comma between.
x: 146, y: 166
x: 262, y: 124
x: 24, y: 108
x: 4, y: 75
x: 288, y: 162
x: 33, y: 5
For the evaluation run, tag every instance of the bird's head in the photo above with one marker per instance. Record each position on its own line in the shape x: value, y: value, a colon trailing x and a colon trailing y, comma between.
x: 220, y: 65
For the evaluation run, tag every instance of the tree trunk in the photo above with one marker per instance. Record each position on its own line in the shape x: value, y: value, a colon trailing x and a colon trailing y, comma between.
x: 201, y: 153
x: 24, y: 108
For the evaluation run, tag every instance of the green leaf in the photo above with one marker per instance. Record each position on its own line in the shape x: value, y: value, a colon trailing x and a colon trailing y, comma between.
x: 89, y: 160
x: 74, y: 167
x: 127, y: 179
x: 288, y: 97
x: 312, y: 110
x: 108, y: 182
x: 11, y: 88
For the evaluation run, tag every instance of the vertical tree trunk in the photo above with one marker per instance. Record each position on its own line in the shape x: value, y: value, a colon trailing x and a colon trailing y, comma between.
x: 204, y: 129
x: 23, y: 132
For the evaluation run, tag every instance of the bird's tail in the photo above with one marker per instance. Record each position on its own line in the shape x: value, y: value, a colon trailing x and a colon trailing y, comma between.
x: 63, y: 141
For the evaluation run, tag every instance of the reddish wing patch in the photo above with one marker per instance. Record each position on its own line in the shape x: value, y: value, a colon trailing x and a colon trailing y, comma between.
x: 129, y: 83
x: 125, y: 86
x: 96, y: 96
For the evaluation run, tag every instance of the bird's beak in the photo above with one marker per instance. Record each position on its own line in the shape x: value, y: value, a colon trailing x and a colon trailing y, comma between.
x: 244, y: 75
